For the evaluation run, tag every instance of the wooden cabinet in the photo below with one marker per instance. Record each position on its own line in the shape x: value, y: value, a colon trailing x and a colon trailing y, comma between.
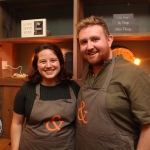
x: 8, y: 90
x: 5, y: 144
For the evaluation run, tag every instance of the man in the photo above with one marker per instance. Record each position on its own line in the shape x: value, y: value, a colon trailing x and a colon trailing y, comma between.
x: 114, y: 100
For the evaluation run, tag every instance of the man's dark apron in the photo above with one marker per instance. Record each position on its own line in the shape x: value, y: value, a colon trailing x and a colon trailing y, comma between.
x: 51, y: 125
x: 95, y: 129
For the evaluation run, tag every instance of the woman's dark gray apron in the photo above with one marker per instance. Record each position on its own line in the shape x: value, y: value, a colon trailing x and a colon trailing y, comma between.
x: 51, y: 125
x: 95, y: 129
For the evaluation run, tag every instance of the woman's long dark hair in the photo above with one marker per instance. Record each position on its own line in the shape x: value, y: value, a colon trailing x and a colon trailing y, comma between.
x: 33, y: 73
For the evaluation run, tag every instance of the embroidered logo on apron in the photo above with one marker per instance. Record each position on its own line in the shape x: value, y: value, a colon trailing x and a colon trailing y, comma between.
x: 54, y: 124
x: 82, y: 113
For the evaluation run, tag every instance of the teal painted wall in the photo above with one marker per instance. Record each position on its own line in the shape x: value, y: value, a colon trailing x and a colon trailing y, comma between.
x: 140, y: 12
x: 59, y: 19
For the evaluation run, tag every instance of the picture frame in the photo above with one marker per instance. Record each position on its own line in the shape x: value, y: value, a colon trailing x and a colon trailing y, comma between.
x: 33, y: 28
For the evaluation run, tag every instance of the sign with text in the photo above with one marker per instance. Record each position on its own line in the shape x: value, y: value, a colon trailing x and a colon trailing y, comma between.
x: 124, y: 29
x: 123, y: 23
x: 33, y: 28
x: 123, y: 16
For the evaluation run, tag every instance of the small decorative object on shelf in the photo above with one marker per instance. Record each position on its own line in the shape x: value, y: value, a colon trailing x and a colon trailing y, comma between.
x: 17, y: 75
x: 123, y: 23
x: 33, y: 28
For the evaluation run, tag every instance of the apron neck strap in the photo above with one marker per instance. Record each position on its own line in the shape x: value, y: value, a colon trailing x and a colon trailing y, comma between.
x: 110, y: 72
x: 38, y: 91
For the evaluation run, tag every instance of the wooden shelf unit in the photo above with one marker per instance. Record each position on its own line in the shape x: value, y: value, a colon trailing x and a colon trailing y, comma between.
x: 78, y: 10
x: 131, y: 37
x: 54, y: 39
x: 69, y: 38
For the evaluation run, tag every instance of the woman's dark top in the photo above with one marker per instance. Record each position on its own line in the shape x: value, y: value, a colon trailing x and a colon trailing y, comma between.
x: 27, y: 93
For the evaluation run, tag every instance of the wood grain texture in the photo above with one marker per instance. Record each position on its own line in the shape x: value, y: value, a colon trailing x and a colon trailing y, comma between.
x: 5, y: 144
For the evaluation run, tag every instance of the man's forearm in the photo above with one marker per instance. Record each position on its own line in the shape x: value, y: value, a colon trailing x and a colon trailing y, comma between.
x: 144, y: 141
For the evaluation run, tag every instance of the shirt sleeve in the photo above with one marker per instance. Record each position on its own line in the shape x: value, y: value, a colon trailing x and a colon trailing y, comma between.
x: 19, y: 101
x: 139, y: 94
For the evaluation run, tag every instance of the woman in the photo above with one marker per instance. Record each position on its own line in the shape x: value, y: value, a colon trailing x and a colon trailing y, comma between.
x: 47, y: 101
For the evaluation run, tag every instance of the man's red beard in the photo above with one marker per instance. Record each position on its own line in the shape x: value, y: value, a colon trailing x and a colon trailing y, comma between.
x: 99, y: 60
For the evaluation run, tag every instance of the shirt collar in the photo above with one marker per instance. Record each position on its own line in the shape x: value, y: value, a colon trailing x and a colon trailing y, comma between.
x: 106, y: 62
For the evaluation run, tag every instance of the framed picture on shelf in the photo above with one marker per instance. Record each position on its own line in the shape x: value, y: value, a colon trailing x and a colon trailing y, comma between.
x: 33, y: 28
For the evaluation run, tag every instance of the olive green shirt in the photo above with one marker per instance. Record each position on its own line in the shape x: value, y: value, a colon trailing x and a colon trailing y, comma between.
x: 128, y: 94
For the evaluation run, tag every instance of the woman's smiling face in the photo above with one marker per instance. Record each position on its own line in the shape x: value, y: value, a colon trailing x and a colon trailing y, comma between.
x: 48, y: 66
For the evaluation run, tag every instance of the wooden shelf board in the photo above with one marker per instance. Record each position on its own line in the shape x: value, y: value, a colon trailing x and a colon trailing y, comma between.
x: 54, y: 39
x: 12, y: 81
x: 5, y: 144
x: 69, y: 38
x: 131, y: 36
